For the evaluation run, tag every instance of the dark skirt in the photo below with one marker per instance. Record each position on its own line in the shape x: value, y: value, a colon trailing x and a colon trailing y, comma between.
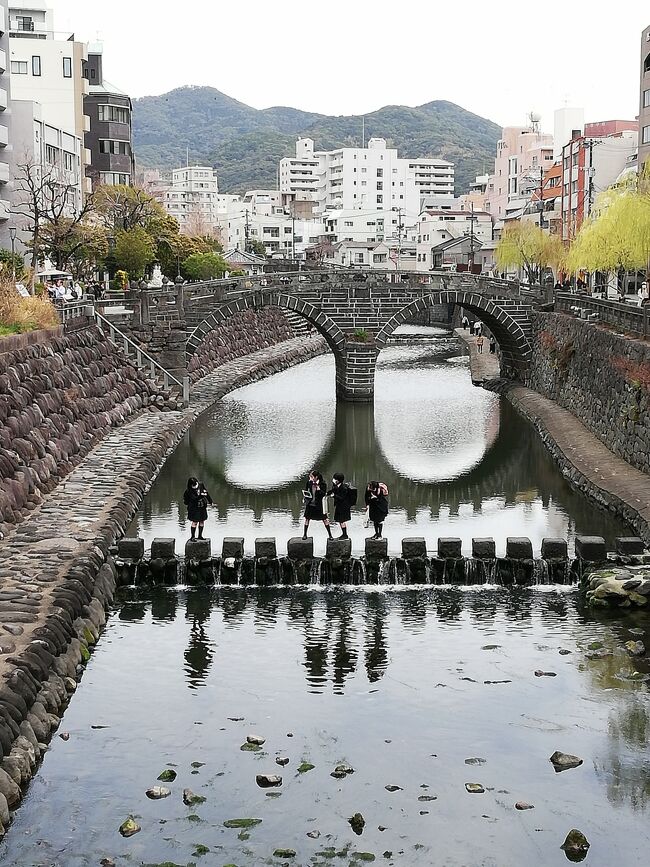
x: 342, y: 513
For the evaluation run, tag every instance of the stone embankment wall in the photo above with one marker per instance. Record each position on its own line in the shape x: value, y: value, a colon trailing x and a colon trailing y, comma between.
x: 602, y: 377
x: 243, y: 333
x: 60, y: 393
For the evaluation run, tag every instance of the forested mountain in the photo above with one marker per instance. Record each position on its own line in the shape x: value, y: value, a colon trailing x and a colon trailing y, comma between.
x: 245, y: 143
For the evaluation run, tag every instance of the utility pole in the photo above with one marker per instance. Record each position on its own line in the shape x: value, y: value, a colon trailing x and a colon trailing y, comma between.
x: 590, y: 178
x: 472, y: 218
x: 293, y: 237
x: 399, y: 236
x: 541, y: 197
x: 246, y: 233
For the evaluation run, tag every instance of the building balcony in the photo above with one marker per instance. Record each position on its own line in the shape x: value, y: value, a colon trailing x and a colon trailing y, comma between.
x: 5, y: 210
x: 3, y: 20
x: 3, y: 99
x: 3, y: 61
x: 4, y: 136
x: 5, y: 175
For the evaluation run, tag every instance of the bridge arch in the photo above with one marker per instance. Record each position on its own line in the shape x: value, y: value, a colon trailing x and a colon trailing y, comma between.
x: 320, y: 321
x: 497, y: 313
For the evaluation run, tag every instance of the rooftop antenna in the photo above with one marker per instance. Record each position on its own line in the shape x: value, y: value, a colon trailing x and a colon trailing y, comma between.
x: 363, y: 132
x: 187, y: 157
x: 534, y: 118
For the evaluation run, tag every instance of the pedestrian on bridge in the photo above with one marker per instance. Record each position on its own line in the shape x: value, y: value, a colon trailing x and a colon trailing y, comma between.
x: 493, y: 346
x: 197, y: 499
x: 465, y: 323
x: 479, y: 344
x: 313, y: 496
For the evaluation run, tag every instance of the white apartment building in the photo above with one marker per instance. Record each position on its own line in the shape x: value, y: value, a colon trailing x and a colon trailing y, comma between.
x: 363, y: 227
x: 373, y: 178
x: 191, y: 197
x: 47, y: 68
x: 281, y: 234
x: 435, y: 227
x: 5, y: 126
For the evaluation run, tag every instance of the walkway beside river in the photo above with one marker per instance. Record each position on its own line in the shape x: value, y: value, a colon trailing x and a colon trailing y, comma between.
x: 483, y: 366
x: 91, y: 507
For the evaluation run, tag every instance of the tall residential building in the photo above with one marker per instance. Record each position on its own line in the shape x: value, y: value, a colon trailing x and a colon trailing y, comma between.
x: 372, y: 178
x: 109, y: 139
x: 591, y: 164
x: 523, y: 156
x: 192, y: 199
x: 47, y: 67
x: 5, y: 126
x: 644, y: 103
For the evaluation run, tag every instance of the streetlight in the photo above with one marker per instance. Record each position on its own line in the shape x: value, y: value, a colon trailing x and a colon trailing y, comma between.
x: 12, y: 235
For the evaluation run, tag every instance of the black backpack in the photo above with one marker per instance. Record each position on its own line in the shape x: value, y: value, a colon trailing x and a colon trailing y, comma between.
x: 352, y: 495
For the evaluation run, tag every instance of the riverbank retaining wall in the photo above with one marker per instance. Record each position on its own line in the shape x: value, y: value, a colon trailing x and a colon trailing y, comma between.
x: 245, y: 332
x: 61, y: 391
x: 602, y: 377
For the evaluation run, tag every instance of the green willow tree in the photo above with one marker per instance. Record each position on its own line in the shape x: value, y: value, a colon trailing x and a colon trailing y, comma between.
x: 204, y: 266
x: 617, y: 236
x: 134, y: 251
x: 524, y: 245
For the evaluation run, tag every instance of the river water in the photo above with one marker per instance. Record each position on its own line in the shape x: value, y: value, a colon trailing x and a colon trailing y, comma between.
x: 458, y: 460
x: 420, y: 691
x: 426, y: 690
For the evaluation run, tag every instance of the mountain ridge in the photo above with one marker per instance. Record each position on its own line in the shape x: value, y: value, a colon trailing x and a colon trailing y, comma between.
x: 245, y: 143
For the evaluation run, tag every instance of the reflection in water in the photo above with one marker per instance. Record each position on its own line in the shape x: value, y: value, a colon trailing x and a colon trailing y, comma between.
x: 458, y: 460
x: 402, y: 685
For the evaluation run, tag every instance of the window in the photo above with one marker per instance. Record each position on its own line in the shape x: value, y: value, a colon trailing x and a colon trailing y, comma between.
x: 646, y: 98
x: 645, y: 135
x: 67, y: 67
x: 574, y: 160
x: 380, y: 173
x: 110, y: 146
x: 380, y: 200
x: 19, y: 67
x: 36, y: 65
x: 348, y: 223
x: 113, y: 113
x: 380, y: 185
x: 287, y: 230
x: 51, y: 155
x: 69, y: 161
x: 574, y: 186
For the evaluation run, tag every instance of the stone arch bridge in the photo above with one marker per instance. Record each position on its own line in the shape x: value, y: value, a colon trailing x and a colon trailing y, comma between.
x: 356, y: 312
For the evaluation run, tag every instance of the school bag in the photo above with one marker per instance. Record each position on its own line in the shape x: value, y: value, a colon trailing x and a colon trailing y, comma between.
x: 352, y: 495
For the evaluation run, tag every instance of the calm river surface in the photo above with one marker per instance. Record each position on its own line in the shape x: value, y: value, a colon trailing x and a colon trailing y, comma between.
x: 458, y: 460
x: 424, y: 690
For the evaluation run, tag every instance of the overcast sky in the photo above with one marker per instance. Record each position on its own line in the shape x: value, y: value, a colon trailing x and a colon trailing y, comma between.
x: 499, y: 59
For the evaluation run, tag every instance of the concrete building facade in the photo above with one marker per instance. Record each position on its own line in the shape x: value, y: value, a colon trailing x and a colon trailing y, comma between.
x: 590, y: 165
x: 644, y: 99
x: 109, y: 138
x: 523, y: 155
x: 372, y: 178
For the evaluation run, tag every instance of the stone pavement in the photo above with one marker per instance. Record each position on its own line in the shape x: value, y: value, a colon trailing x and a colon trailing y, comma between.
x: 586, y: 461
x: 78, y: 522
x: 483, y: 366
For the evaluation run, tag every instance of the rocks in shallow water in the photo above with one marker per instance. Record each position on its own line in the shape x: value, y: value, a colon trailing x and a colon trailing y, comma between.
x: 564, y: 652
x: 190, y: 799
x: 635, y: 648
x: 475, y: 761
x: 575, y: 845
x: 475, y: 788
x: 265, y: 781
x: 564, y: 761
x: 599, y: 654
x: 129, y: 827
x: 357, y: 823
x: 65, y: 736
x: 256, y: 740
x: 107, y: 862
x: 616, y: 587
x: 393, y: 788
x: 428, y: 798
x: 167, y: 776
x: 540, y: 673
x: 522, y: 805
x: 284, y: 853
x: 250, y: 748
x: 313, y: 835
x: 158, y: 792
x: 303, y: 767
x: 281, y: 760
x: 341, y: 771
x: 241, y: 823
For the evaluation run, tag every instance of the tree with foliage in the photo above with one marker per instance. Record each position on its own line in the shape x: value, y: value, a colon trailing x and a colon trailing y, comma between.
x: 204, y: 266
x: 45, y: 198
x: 254, y: 245
x: 76, y: 246
x: 121, y: 208
x: 134, y: 250
x: 617, y: 236
x: 524, y: 245
x: 9, y: 263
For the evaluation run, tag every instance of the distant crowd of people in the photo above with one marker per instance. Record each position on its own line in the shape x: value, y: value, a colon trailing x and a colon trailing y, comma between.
x: 62, y: 291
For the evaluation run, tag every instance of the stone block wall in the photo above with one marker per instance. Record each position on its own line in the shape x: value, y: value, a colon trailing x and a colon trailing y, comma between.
x: 60, y: 393
x: 602, y: 377
x: 245, y: 332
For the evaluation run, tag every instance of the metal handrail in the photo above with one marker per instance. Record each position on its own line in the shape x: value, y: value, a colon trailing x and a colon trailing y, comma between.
x: 118, y: 336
